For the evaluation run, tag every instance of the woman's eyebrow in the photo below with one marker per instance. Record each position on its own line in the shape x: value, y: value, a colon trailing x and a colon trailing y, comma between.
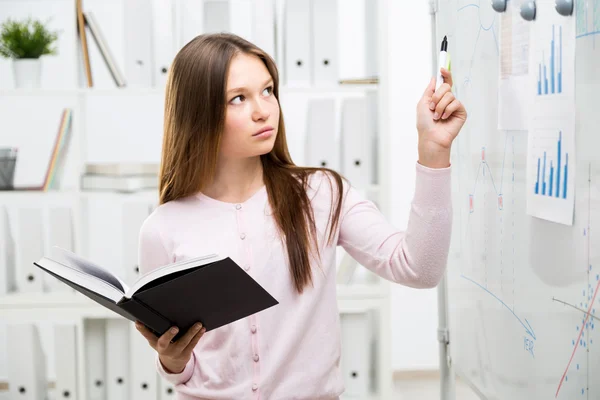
x: 242, y: 88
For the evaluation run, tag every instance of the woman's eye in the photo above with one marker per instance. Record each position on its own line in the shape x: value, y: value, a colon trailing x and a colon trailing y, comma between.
x: 237, y: 99
x: 268, y: 90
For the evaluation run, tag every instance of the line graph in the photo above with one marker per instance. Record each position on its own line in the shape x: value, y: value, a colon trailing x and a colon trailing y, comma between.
x: 526, y: 324
x: 482, y: 28
x: 588, y: 18
x: 588, y: 294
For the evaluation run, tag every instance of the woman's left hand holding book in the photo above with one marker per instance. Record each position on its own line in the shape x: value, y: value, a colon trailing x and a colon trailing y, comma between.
x: 173, y: 356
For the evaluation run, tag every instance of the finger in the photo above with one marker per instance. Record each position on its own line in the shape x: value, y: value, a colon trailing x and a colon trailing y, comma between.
x: 451, y: 108
x: 437, y: 96
x: 441, y: 106
x: 429, y: 90
x: 183, y: 341
x: 146, y: 333
x: 192, y: 344
x: 164, y: 341
x: 447, y: 75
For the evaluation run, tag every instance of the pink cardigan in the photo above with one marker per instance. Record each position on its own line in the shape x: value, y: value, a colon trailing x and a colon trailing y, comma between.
x: 292, y: 350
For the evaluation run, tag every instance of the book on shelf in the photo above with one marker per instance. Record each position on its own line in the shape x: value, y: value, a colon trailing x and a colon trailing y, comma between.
x: 57, y: 156
x: 360, y: 81
x: 118, y: 183
x: 83, y: 42
x: 109, y: 60
x: 120, y: 169
x: 211, y: 289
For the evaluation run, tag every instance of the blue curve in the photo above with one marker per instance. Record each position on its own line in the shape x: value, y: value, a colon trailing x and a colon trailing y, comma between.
x: 467, y: 6
x: 527, y: 327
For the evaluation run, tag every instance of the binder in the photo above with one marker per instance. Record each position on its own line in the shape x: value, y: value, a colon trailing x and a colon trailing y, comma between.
x: 322, y: 145
x: 65, y: 348
x: 27, y: 377
x: 144, y: 376
x: 357, y: 355
x: 163, y: 40
x: 166, y: 390
x: 241, y: 16
x: 95, y: 360
x: 137, y: 37
x: 60, y: 232
x: 298, y: 59
x: 358, y: 39
x: 7, y: 255
x: 117, y: 359
x: 134, y: 215
x: 190, y: 20
x: 356, y: 142
x: 263, y: 26
x: 216, y: 16
x: 29, y: 247
x: 325, y: 61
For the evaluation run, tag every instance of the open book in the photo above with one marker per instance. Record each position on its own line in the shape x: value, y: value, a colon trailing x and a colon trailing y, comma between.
x: 211, y: 289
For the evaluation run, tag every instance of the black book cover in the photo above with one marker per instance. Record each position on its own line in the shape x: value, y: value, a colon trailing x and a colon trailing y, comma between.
x: 214, y: 294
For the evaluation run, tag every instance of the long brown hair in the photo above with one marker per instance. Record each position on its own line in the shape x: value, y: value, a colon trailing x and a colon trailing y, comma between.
x: 195, y: 107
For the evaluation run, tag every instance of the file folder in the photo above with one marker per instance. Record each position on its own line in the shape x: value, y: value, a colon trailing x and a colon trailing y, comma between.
x: 166, y: 391
x: 163, y: 41
x: 263, y: 26
x: 322, y: 145
x: 298, y: 60
x: 216, y: 16
x: 357, y: 142
x: 138, y: 43
x: 325, y: 61
x: 65, y: 348
x: 134, y: 214
x: 144, y: 376
x: 60, y: 233
x: 29, y: 247
x: 357, y: 355
x: 189, y: 17
x: 8, y: 281
x: 241, y: 17
x: 95, y: 359
x: 27, y: 377
x: 117, y: 359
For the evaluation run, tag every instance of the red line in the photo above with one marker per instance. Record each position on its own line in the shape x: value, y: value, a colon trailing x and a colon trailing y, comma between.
x: 587, y: 315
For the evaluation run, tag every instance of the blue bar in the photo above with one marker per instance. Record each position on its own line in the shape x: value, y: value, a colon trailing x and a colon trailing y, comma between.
x: 544, y: 176
x: 552, y: 61
x: 566, y: 176
x: 560, y: 82
x: 540, y: 80
x: 560, y: 59
x: 558, y: 164
x: 551, y: 179
x: 537, y: 183
x: 545, y: 81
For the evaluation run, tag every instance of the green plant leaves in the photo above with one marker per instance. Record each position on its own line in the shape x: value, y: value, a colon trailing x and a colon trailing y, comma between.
x: 26, y: 39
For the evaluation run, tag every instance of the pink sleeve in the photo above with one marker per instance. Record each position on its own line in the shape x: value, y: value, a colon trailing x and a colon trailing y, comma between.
x: 416, y: 257
x: 180, y: 378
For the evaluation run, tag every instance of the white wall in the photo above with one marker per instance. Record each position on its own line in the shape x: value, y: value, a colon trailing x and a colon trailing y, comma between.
x: 414, y: 312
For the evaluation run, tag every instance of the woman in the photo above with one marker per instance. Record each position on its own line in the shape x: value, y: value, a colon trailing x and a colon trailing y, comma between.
x: 228, y: 185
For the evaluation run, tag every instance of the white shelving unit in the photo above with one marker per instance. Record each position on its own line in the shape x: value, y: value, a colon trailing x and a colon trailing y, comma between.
x: 73, y: 307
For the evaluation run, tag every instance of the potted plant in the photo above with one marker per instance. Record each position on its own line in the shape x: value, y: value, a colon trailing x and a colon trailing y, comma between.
x: 25, y: 42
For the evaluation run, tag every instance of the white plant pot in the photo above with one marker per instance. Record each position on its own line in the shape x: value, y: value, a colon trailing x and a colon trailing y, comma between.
x: 27, y: 73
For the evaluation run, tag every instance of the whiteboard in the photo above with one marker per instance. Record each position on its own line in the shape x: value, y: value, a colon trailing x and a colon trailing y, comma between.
x: 519, y: 287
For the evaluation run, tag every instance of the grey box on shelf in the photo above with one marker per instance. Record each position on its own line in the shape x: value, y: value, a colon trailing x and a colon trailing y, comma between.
x: 8, y: 162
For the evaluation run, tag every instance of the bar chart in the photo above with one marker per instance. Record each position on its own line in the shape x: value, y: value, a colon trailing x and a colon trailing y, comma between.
x: 552, y: 174
x: 550, y: 72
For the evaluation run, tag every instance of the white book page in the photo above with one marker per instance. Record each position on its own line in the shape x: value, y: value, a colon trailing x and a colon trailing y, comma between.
x: 169, y: 269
